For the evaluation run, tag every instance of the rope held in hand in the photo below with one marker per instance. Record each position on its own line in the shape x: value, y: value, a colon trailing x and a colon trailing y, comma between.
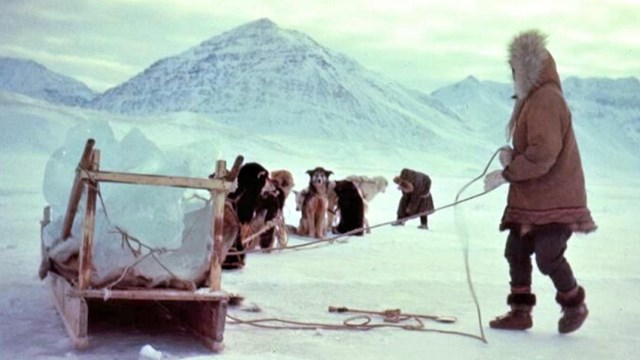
x: 465, y: 249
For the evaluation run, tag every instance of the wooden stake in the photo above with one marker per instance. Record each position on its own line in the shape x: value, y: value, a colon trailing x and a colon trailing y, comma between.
x: 86, y: 257
x: 76, y: 189
x: 219, y: 198
x: 73, y: 310
x: 206, y: 320
x: 235, y: 169
x: 45, y: 263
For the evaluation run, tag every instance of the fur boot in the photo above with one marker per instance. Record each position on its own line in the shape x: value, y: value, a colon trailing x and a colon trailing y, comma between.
x: 519, y: 317
x: 574, y: 311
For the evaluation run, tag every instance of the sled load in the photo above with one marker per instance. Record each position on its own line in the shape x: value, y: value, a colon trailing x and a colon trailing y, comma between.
x: 91, y: 263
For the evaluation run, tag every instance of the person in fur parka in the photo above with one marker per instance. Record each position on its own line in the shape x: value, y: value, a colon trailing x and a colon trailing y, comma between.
x: 416, y: 196
x: 547, y: 199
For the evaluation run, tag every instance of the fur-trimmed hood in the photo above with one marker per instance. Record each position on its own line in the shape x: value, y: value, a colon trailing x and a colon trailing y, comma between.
x: 531, y: 63
x: 414, y: 182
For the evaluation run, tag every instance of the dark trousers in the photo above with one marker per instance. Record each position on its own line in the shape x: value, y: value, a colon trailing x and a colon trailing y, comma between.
x: 548, y: 243
x: 404, y: 204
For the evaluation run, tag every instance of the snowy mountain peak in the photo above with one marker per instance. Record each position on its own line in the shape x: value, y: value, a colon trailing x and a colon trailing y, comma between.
x: 258, y: 29
x: 32, y: 79
x: 260, y: 25
x: 276, y: 80
x: 261, y: 37
x: 470, y: 80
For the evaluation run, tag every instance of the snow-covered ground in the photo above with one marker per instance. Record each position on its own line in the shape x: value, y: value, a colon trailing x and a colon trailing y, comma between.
x: 393, y: 267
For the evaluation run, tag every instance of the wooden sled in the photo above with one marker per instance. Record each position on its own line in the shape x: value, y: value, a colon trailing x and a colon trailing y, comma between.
x: 202, y: 312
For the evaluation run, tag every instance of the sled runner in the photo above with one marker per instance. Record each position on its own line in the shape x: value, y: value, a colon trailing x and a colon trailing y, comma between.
x: 202, y: 311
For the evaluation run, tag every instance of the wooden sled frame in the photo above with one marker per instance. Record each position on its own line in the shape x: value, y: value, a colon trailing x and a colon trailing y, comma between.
x: 203, y: 313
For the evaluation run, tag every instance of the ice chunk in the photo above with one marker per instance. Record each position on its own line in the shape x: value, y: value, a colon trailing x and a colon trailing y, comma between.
x: 132, y: 215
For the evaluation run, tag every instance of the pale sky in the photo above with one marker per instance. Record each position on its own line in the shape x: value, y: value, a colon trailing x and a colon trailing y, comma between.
x: 423, y: 44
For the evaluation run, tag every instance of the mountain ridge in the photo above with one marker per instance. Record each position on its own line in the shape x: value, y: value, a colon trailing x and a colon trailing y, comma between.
x: 276, y: 82
x: 27, y: 77
x: 270, y: 79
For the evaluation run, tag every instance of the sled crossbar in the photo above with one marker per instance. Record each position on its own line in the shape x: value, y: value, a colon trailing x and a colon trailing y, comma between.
x: 151, y: 294
x: 157, y: 180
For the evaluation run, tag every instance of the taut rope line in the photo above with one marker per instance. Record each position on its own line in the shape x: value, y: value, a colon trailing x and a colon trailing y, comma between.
x: 364, y: 228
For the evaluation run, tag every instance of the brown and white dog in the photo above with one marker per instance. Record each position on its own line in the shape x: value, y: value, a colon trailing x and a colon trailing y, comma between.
x: 313, y: 221
x: 302, y: 226
x: 300, y: 195
x: 333, y: 212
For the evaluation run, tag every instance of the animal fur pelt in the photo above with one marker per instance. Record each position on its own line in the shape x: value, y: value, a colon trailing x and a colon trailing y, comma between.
x: 61, y: 257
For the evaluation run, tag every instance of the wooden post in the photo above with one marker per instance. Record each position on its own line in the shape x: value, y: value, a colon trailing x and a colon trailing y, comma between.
x: 235, y: 169
x: 73, y: 310
x: 218, y: 198
x: 86, y: 257
x: 45, y: 263
x: 204, y: 319
x: 76, y: 190
x: 46, y: 216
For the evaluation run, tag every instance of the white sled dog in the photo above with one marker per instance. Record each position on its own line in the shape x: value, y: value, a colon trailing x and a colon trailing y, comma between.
x: 369, y: 186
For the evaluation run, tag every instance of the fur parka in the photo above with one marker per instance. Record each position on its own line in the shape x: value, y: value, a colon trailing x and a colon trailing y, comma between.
x: 416, y: 195
x: 546, y: 180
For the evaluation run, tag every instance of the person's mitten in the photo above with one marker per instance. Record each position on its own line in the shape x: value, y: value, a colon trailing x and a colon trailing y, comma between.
x: 403, y: 185
x: 493, y: 179
x: 505, y: 155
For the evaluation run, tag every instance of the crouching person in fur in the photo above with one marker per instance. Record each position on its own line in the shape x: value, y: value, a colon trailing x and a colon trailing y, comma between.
x: 416, y: 196
x: 547, y: 199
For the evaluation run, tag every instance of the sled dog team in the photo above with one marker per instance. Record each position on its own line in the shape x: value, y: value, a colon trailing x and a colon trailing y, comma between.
x: 326, y: 206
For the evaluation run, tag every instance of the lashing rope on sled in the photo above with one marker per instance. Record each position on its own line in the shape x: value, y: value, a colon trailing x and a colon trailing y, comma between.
x: 127, y: 240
